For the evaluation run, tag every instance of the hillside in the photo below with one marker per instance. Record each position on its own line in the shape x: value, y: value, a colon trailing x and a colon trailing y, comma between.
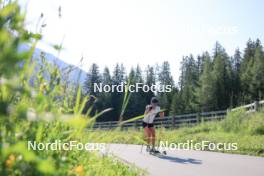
x: 50, y: 58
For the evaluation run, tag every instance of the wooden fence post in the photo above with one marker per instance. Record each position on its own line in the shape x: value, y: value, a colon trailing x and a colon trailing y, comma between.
x: 256, y: 105
x: 138, y: 124
x: 173, y: 122
x: 135, y: 124
x: 198, y: 117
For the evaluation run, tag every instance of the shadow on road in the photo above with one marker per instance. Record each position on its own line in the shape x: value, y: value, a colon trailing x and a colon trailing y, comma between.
x: 181, y: 160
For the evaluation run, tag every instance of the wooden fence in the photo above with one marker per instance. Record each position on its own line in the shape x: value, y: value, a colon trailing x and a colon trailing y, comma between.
x: 251, y: 107
x: 180, y: 120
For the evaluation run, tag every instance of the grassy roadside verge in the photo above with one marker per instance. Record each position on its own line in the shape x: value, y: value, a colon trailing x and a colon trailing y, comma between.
x: 17, y: 159
x: 247, y: 130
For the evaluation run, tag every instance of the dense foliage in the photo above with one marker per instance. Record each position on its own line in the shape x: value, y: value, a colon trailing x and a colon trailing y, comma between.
x: 207, y: 83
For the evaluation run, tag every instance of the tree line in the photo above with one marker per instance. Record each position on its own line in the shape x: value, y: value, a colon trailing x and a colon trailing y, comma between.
x: 207, y: 82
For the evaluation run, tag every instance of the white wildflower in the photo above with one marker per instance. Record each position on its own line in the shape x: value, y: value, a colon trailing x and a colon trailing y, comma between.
x: 48, y: 117
x: 31, y: 114
x: 2, y: 80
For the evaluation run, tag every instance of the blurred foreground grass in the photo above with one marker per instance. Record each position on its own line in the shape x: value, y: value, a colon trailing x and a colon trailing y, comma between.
x: 37, y: 105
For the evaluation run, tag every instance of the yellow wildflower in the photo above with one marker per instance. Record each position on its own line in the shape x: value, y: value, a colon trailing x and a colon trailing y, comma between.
x: 10, y: 161
x: 79, y: 169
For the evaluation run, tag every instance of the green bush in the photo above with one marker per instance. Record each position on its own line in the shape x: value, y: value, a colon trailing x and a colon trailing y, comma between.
x: 234, y: 121
x: 255, y: 123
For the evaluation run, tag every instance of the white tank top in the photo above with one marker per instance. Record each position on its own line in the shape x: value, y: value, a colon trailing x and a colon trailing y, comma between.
x: 150, y: 116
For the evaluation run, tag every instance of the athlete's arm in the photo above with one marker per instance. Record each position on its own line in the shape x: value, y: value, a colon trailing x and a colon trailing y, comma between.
x: 148, y: 108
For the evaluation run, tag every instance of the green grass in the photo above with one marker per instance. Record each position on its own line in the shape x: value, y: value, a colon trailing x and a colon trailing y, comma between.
x: 18, y: 160
x: 245, y: 129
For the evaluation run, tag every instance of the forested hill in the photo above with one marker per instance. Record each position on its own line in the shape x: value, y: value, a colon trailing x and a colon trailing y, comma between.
x: 53, y: 60
x: 210, y: 81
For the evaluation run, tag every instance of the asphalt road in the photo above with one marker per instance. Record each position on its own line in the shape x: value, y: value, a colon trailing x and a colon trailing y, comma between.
x: 189, y: 163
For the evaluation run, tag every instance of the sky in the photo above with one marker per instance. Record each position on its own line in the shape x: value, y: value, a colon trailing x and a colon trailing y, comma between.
x: 143, y: 31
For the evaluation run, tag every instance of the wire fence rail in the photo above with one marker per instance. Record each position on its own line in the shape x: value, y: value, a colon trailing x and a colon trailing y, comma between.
x: 180, y: 120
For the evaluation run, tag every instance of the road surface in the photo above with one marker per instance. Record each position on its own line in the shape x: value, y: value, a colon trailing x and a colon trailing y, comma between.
x: 189, y: 163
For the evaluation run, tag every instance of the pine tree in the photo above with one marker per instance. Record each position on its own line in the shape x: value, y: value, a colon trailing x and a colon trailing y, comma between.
x: 206, y: 91
x: 246, y: 70
x: 105, y: 97
x: 106, y: 79
x: 177, y: 105
x: 257, y: 82
x: 236, y: 61
x: 188, y: 83
x: 118, y: 78
x: 93, y: 77
x: 138, y: 75
x: 150, y: 80
x: 201, y: 61
x: 236, y: 82
x: 165, y: 78
x: 137, y: 103
x: 222, y: 71
x: 118, y: 74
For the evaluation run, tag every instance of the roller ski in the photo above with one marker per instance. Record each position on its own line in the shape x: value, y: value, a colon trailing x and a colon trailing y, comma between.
x: 153, y: 151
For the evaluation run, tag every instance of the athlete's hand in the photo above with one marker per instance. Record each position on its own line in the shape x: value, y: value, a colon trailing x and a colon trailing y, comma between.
x: 161, y: 114
x: 148, y: 109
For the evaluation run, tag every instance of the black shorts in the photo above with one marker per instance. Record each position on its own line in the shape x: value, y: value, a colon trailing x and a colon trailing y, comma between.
x: 149, y: 125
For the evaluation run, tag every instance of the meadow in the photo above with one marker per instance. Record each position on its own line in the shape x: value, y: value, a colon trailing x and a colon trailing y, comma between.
x: 245, y: 129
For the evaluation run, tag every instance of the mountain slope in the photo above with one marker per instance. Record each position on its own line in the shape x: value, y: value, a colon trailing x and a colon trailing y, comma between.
x: 50, y: 58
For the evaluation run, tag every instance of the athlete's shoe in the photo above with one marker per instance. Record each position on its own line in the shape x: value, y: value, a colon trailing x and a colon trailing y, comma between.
x: 153, y: 150
x: 148, y: 148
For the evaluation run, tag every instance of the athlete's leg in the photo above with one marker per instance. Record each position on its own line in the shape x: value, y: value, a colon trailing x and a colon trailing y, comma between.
x: 147, y: 135
x: 153, y: 136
